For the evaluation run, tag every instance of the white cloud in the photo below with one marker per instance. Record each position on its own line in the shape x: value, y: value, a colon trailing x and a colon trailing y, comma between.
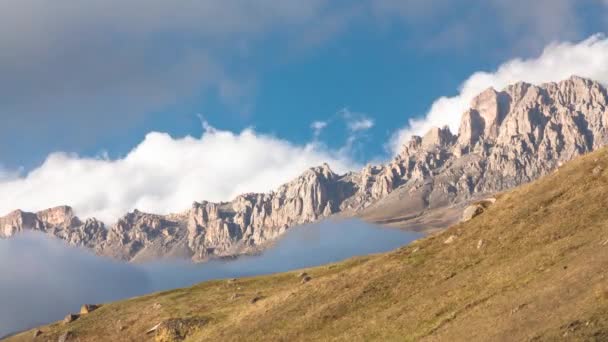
x: 7, y: 175
x: 163, y: 174
x: 558, y: 61
x: 361, y: 125
x: 317, y: 128
x: 356, y: 122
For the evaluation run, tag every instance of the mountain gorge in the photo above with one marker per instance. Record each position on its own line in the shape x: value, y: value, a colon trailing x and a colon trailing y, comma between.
x: 506, y: 138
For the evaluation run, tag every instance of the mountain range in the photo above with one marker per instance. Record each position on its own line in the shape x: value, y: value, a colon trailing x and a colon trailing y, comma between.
x: 506, y: 138
x: 530, y: 267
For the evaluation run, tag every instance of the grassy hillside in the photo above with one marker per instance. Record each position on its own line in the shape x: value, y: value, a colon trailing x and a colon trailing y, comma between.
x: 530, y: 268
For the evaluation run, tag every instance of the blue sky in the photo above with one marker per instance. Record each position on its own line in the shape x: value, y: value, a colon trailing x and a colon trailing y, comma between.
x: 387, y: 59
x: 93, y: 80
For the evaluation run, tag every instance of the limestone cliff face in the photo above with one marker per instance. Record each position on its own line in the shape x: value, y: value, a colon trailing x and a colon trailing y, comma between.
x: 59, y: 221
x: 205, y: 230
x: 506, y: 138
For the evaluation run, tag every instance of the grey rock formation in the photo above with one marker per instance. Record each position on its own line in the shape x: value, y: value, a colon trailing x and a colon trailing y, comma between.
x: 476, y: 209
x: 506, y: 138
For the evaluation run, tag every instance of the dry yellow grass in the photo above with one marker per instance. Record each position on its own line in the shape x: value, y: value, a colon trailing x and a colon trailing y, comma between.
x: 538, y: 274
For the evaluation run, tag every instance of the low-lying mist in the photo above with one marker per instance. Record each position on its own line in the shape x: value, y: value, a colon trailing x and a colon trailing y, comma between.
x: 42, y: 279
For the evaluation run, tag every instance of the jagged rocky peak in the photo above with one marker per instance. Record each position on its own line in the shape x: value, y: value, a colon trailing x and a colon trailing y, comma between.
x: 526, y: 109
x: 410, y: 148
x: 139, y: 219
x: 506, y: 137
x: 61, y: 215
x: 437, y: 137
x: 204, y: 211
x: 15, y: 222
x: 492, y: 107
x: 575, y: 90
x: 18, y: 220
x: 484, y: 117
x: 323, y: 171
x: 14, y: 216
x: 58, y: 221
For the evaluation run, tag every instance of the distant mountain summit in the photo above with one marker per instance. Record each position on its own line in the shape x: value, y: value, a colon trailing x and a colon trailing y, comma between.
x: 506, y: 138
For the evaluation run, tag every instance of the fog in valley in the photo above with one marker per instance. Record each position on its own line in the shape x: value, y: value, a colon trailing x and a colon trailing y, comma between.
x: 43, y: 279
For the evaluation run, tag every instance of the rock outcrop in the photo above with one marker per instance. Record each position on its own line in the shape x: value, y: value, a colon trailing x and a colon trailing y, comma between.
x: 86, y: 309
x: 506, y: 138
x: 476, y: 209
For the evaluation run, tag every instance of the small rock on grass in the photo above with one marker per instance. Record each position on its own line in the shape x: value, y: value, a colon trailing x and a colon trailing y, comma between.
x: 450, y: 239
x: 153, y: 329
x: 70, y: 318
x: 256, y: 299
x: 597, y: 170
x: 88, y: 308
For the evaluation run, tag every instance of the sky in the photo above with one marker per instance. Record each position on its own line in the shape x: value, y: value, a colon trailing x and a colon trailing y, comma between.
x: 111, y: 105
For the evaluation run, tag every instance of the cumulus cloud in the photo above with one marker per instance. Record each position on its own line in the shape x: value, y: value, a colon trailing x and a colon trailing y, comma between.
x: 164, y: 174
x: 7, y: 175
x: 558, y: 61
x: 361, y: 125
x: 356, y: 122
x: 318, y: 127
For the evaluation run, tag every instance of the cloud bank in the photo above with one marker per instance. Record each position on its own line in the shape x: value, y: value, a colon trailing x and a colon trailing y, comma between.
x: 43, y: 279
x: 317, y: 127
x: 164, y: 174
x: 76, y: 69
x: 520, y: 26
x: 558, y: 61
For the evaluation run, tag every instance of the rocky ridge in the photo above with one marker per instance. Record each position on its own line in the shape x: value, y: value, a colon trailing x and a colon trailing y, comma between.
x: 506, y: 138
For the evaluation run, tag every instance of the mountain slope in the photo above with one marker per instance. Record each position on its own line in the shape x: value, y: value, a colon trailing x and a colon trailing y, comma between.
x: 506, y: 138
x: 529, y: 268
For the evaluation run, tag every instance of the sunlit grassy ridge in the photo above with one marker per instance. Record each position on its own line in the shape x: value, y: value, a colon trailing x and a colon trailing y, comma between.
x: 531, y: 267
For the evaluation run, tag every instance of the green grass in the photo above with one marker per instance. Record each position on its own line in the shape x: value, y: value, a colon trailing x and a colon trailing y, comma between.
x: 539, y: 276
